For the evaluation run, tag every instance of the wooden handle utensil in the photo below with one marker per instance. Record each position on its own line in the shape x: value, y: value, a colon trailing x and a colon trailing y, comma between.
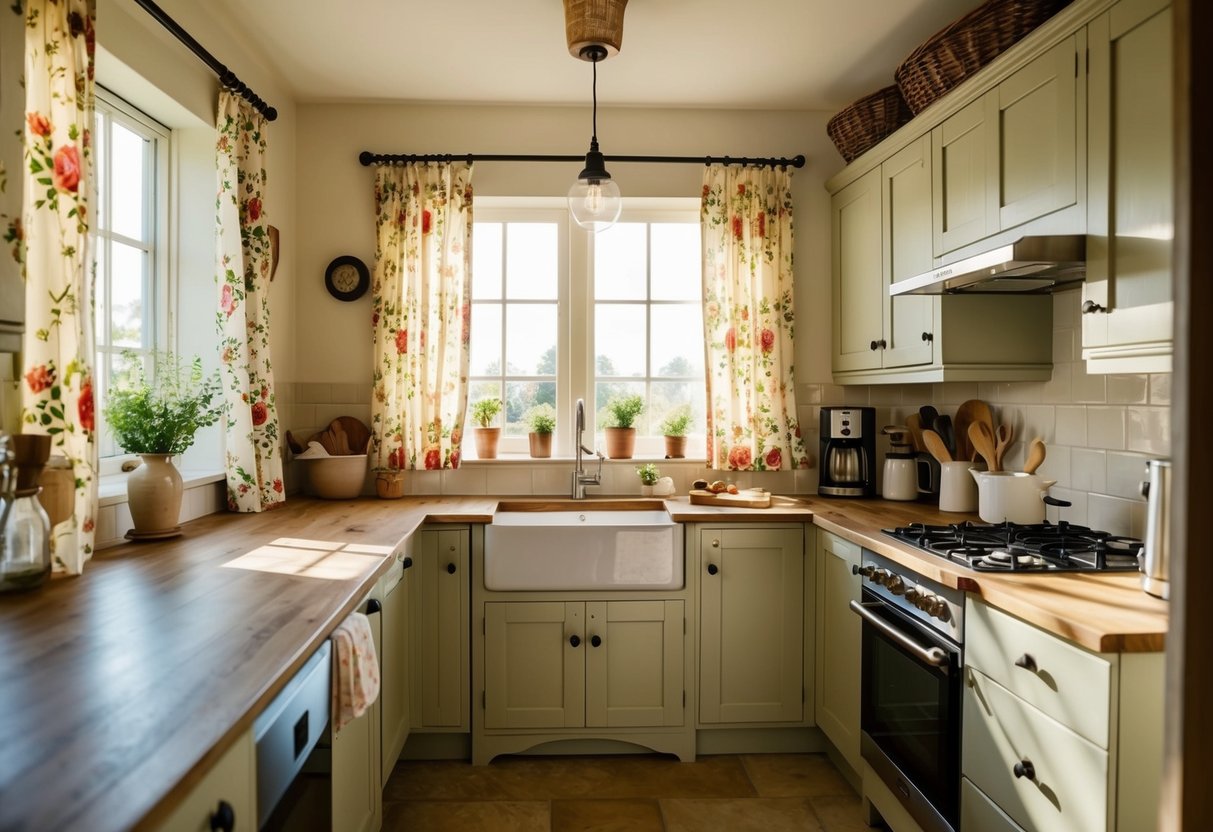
x: 983, y: 442
x: 936, y: 446
x: 1004, y: 435
x: 1036, y: 456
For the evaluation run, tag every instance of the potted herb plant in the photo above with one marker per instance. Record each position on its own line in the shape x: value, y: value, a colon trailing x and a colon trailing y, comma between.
x: 620, y: 432
x: 648, y: 478
x: 674, y: 429
x: 542, y: 418
x: 157, y: 419
x: 487, y: 437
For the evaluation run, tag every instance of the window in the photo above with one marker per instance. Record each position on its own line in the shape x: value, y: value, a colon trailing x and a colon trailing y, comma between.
x: 130, y: 157
x: 559, y: 314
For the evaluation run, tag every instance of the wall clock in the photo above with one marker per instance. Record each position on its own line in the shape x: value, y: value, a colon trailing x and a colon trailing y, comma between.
x: 347, y: 278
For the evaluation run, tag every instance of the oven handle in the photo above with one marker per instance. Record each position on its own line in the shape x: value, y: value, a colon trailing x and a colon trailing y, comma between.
x: 933, y: 656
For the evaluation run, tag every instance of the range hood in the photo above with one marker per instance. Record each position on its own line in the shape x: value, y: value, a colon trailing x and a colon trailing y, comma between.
x: 1030, y: 265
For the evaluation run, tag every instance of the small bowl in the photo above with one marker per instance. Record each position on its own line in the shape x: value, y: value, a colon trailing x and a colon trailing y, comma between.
x: 337, y: 477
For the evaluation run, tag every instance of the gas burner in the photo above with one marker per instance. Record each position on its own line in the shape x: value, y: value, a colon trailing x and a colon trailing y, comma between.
x: 1011, y: 561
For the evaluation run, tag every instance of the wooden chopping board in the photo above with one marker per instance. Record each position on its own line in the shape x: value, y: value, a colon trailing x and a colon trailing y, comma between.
x: 748, y: 498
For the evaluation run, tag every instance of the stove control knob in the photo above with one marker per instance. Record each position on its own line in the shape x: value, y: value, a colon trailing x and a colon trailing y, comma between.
x: 880, y: 576
x: 914, y: 595
x: 895, y: 584
x: 864, y: 571
x: 939, y: 609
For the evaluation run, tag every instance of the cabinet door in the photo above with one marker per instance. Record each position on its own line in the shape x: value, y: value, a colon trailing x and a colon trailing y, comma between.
x: 1037, y: 137
x: 633, y: 663
x: 838, y: 645
x: 1130, y: 184
x: 964, y: 194
x: 12, y: 107
x: 751, y: 615
x: 394, y: 691
x: 441, y: 648
x: 230, y: 781
x: 857, y: 274
x: 356, y: 781
x: 534, y: 657
x: 908, y: 320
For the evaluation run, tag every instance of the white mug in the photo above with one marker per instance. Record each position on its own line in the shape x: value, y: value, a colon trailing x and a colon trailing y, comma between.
x: 957, y: 488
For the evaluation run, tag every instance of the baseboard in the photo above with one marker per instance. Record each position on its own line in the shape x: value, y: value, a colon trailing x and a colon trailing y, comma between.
x: 437, y: 747
x: 760, y: 741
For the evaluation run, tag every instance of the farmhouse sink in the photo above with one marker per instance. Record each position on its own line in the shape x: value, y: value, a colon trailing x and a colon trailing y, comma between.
x: 580, y: 549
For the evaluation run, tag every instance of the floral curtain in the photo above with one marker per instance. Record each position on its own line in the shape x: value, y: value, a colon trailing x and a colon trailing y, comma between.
x: 58, y: 345
x: 253, y: 459
x: 422, y: 314
x: 746, y: 218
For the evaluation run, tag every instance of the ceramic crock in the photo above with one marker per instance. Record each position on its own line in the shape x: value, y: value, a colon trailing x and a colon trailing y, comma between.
x: 1011, y: 495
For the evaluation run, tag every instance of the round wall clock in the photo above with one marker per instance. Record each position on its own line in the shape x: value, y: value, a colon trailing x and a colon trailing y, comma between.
x: 347, y: 278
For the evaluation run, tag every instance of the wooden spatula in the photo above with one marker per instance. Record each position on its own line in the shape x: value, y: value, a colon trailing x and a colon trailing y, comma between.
x: 936, y: 446
x: 914, y: 423
x: 983, y: 442
x: 974, y: 410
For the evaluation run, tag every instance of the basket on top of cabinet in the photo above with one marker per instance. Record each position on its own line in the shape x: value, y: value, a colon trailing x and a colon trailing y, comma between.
x: 863, y: 124
x: 966, y: 45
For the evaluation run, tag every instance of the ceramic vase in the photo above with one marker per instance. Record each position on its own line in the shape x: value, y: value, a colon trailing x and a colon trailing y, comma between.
x: 620, y: 442
x: 541, y: 445
x: 153, y: 492
x: 486, y: 442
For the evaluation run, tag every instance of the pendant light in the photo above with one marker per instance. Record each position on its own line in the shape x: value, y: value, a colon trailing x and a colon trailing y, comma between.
x: 594, y: 199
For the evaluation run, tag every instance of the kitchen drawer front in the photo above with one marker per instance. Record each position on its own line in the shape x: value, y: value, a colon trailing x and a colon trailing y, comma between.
x: 978, y: 812
x: 1068, y: 791
x: 1066, y: 682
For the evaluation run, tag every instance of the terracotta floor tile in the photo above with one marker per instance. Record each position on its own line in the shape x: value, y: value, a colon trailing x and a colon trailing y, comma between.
x: 795, y: 775
x: 839, y: 813
x: 753, y: 815
x: 606, y: 816
x: 452, y: 816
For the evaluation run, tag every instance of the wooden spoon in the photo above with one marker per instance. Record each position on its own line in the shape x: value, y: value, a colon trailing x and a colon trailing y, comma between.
x: 983, y: 443
x: 1036, y: 456
x: 936, y: 446
x: 974, y: 410
x: 1004, y: 435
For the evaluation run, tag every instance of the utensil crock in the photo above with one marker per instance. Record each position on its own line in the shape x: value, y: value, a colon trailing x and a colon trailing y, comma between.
x: 957, y: 490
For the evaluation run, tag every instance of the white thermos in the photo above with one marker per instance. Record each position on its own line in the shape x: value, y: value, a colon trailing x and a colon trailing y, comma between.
x: 900, y: 479
x: 1157, y: 552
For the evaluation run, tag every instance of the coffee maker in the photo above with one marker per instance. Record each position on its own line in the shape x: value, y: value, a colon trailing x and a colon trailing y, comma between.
x: 848, y: 452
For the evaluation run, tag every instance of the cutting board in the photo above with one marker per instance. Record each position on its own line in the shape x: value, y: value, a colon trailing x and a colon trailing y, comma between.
x: 742, y: 499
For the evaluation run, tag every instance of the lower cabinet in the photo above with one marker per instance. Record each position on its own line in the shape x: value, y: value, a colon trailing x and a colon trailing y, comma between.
x: 592, y: 664
x: 838, y: 645
x: 751, y: 624
x: 394, y: 657
x: 225, y: 798
x: 439, y: 596
x: 357, y: 790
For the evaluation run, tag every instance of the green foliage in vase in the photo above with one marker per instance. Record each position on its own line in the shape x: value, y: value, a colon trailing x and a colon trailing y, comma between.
x: 542, y: 418
x: 624, y: 410
x: 161, y: 415
x: 677, y: 422
x: 648, y: 473
x: 485, y: 411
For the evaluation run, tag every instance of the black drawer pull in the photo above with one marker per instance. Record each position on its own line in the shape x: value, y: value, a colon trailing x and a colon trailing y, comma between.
x: 713, y: 569
x: 450, y: 569
x: 373, y: 606
x: 575, y: 640
x: 595, y: 641
x: 1024, y: 768
x: 406, y: 563
x: 1027, y: 661
x: 223, y: 819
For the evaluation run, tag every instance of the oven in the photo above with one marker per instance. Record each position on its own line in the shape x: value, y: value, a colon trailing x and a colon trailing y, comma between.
x: 910, y: 697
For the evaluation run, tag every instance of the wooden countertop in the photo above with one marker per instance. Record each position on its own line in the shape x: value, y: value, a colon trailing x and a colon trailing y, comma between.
x: 120, y: 688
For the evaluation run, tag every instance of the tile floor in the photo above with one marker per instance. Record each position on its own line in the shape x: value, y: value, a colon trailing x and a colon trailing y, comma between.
x: 767, y: 792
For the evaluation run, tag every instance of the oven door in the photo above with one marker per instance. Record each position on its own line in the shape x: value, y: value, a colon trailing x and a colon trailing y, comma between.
x: 910, y: 712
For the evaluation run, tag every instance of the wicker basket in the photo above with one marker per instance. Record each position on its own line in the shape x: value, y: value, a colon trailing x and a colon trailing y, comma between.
x: 867, y: 121
x: 968, y: 44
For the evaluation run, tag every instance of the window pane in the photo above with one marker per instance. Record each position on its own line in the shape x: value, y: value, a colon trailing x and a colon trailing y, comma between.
x: 485, y: 358
x: 531, y: 251
x: 126, y: 294
x: 99, y: 170
x: 530, y: 339
x: 520, y: 397
x: 620, y: 269
x: 667, y: 396
x: 676, y: 345
x: 478, y: 390
x: 619, y: 339
x: 100, y: 307
x: 486, y: 260
x: 676, y: 259
x: 605, y: 391
x: 129, y: 183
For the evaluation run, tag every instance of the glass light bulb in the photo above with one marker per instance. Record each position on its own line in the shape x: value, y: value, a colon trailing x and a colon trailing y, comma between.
x: 595, y: 204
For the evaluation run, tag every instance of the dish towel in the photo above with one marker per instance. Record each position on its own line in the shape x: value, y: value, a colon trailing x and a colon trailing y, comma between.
x: 355, y: 670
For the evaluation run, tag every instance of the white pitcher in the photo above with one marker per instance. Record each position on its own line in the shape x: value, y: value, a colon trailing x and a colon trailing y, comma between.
x: 1011, y: 495
x: 957, y: 490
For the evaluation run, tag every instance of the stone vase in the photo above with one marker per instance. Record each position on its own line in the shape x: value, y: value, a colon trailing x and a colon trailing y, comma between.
x: 153, y: 493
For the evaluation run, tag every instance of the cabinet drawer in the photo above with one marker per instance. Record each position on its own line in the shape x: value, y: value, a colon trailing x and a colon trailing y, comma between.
x: 1066, y: 682
x: 979, y: 812
x: 229, y: 781
x: 1068, y: 791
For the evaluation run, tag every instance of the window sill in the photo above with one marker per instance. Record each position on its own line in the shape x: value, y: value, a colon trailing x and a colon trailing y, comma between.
x: 111, y: 489
x: 586, y: 459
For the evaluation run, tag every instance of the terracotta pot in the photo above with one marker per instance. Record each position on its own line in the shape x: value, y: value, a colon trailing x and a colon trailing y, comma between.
x: 541, y: 445
x: 675, y: 447
x: 389, y: 485
x: 153, y: 493
x: 486, y: 442
x: 620, y: 442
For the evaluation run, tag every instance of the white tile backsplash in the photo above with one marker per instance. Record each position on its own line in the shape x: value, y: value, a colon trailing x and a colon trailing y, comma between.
x: 1106, y: 428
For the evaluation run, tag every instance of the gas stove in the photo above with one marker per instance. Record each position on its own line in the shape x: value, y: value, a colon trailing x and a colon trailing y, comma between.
x: 1016, y: 547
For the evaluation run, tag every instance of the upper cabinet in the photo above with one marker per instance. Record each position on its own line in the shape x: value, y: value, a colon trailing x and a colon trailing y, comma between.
x: 12, y: 114
x: 1126, y: 325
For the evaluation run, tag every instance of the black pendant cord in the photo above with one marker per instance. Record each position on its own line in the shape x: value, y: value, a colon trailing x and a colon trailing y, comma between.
x: 594, y: 117
x: 367, y: 159
x: 226, y: 77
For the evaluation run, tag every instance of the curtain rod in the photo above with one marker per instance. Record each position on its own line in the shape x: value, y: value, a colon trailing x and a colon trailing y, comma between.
x: 227, y: 78
x: 367, y: 159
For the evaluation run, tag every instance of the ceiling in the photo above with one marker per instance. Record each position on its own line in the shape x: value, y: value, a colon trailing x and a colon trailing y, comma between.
x: 753, y: 54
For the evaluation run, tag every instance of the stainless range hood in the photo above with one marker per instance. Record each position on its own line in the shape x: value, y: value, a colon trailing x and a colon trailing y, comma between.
x: 1031, y: 265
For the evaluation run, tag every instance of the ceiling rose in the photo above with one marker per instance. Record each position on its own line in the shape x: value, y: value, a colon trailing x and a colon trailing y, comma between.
x: 590, y: 23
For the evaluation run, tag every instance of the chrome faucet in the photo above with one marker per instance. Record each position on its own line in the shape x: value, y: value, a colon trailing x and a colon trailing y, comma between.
x: 580, y: 478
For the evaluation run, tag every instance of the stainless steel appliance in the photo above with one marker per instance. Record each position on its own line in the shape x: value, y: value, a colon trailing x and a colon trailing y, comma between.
x: 1157, y: 552
x: 910, y: 695
x: 848, y: 452
x: 1030, y: 265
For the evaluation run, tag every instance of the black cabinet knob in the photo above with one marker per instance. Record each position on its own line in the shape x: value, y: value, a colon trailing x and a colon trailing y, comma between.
x: 928, y: 336
x: 373, y: 606
x: 713, y: 569
x: 595, y: 641
x: 450, y: 569
x: 575, y: 640
x: 873, y: 346
x: 1090, y: 307
x: 223, y: 819
x: 884, y: 345
x: 1027, y: 662
x: 1024, y: 768
x: 406, y: 563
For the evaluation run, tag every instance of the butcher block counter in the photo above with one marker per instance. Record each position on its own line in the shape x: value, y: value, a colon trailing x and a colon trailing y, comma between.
x: 120, y: 688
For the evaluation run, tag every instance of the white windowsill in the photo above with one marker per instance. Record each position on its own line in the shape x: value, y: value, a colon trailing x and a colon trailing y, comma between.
x: 111, y: 489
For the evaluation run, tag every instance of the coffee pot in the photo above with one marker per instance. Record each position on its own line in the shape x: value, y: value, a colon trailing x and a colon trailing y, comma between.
x: 25, y: 551
x: 900, y: 480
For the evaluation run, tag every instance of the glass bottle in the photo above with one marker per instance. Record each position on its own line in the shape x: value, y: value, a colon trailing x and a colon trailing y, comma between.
x: 25, y: 551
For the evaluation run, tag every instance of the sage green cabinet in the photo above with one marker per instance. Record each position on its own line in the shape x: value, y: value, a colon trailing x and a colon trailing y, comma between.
x: 394, y: 657
x: 12, y: 117
x: 751, y: 624
x: 439, y: 642
x: 591, y: 664
x: 838, y: 645
x: 357, y: 791
x: 857, y: 263
x: 1127, y: 305
x: 231, y: 781
x: 1010, y: 156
